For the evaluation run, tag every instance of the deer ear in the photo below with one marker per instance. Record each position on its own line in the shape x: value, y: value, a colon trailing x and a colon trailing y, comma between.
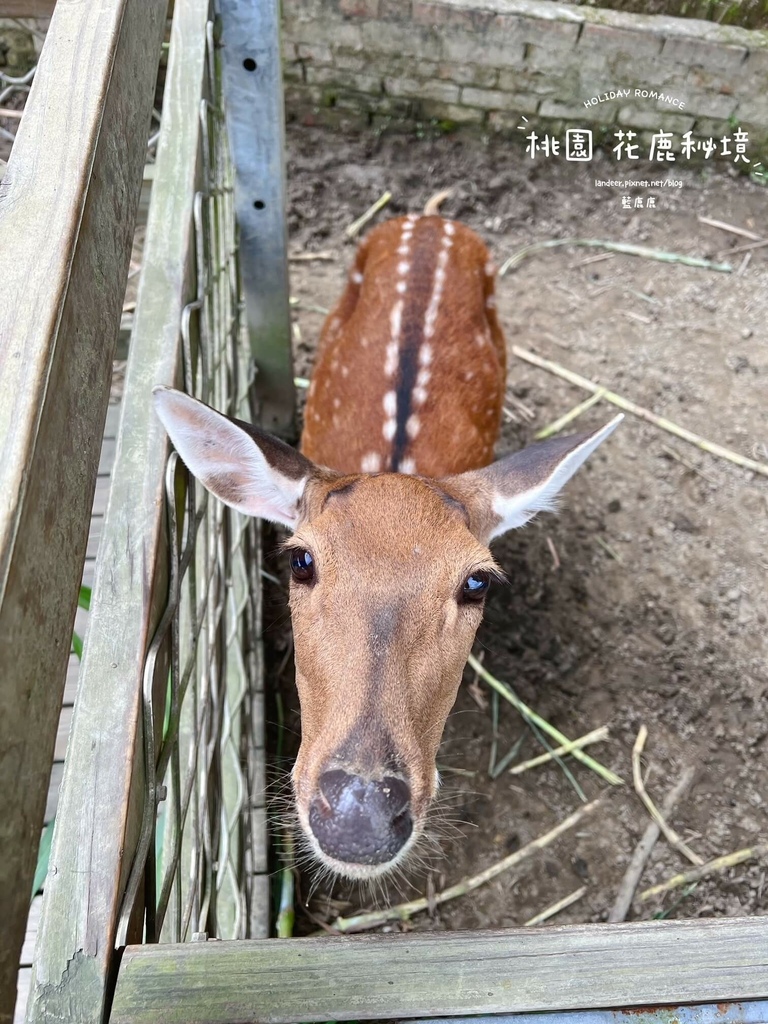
x: 509, y: 492
x: 245, y: 467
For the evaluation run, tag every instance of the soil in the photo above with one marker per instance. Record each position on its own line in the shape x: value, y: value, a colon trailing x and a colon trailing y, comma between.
x: 656, y: 614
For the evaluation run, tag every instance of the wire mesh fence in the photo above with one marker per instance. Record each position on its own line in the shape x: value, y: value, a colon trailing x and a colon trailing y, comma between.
x: 201, y: 844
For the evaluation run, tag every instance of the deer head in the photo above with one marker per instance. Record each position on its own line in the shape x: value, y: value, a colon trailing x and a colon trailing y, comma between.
x: 389, y: 576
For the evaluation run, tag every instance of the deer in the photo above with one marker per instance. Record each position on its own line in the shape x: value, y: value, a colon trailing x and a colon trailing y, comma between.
x: 391, y: 503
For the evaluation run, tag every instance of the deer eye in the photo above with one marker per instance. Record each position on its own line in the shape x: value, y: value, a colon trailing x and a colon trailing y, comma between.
x: 476, y: 586
x: 302, y: 565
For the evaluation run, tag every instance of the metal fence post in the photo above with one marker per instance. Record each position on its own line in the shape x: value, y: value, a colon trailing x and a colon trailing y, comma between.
x: 253, y: 91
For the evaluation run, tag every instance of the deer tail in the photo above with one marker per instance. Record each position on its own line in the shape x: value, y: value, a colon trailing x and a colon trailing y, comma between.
x: 434, y: 204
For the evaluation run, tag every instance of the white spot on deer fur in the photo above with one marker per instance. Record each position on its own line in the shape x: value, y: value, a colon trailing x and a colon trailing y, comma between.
x: 423, y: 378
x: 449, y: 228
x: 345, y: 371
x: 389, y: 428
x: 390, y: 403
x: 316, y: 417
x: 371, y: 463
x: 404, y: 249
x: 357, y: 277
x: 312, y: 387
x: 490, y: 268
x: 430, y: 317
x: 391, y: 362
x: 413, y: 217
x: 401, y: 287
x: 490, y: 302
x: 469, y: 375
x: 364, y: 343
x: 336, y: 403
x: 419, y: 395
x: 334, y: 364
x: 407, y: 466
x: 425, y: 355
x: 394, y: 320
x: 412, y: 426
x: 481, y: 338
x: 403, y: 267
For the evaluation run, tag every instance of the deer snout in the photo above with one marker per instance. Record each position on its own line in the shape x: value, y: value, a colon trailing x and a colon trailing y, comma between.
x: 359, y: 821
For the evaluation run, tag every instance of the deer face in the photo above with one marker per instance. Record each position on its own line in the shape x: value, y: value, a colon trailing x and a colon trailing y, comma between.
x: 389, y: 574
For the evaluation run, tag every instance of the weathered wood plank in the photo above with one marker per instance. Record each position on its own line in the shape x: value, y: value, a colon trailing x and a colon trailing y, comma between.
x: 369, y: 977
x: 23, y: 982
x: 67, y: 208
x: 54, y: 785
x: 102, y: 792
x: 33, y: 923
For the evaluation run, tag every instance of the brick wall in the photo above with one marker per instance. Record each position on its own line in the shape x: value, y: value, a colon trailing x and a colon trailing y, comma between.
x: 486, y: 63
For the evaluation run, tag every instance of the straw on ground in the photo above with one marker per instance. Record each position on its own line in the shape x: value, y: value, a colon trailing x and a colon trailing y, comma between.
x: 624, y: 247
x: 642, y: 851
x: 567, y: 748
x: 671, y: 836
x: 566, y: 901
x: 530, y: 715
x: 404, y: 911
x: 729, y: 860
x: 640, y: 412
x: 563, y: 421
x: 356, y: 226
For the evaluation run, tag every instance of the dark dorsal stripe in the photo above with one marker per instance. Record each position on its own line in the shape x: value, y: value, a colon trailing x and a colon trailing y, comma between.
x: 420, y: 280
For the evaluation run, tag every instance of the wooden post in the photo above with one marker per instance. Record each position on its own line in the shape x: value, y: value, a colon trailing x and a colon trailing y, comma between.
x: 253, y: 87
x: 67, y: 209
x: 102, y: 796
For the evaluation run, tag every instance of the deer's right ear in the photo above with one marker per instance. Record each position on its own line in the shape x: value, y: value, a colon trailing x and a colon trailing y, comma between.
x: 245, y: 467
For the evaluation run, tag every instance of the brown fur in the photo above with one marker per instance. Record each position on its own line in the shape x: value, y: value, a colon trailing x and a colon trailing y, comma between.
x: 461, y: 417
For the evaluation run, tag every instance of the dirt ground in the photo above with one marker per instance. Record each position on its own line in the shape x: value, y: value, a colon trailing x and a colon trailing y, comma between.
x: 656, y: 614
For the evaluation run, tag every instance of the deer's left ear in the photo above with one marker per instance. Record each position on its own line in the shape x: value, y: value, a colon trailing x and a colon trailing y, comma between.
x: 509, y: 492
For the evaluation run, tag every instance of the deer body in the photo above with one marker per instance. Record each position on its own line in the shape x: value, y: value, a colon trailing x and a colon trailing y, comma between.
x: 391, y: 506
x: 411, y: 366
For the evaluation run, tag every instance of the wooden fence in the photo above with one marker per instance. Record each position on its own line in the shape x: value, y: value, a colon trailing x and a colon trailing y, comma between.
x: 160, y: 828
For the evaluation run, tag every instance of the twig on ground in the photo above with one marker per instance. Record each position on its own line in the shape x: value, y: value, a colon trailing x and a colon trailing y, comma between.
x: 642, y: 851
x: 306, y: 257
x: 743, y: 265
x: 530, y: 715
x: 404, y: 911
x: 624, y: 247
x: 563, y: 421
x: 356, y: 226
x: 526, y: 410
x: 553, y: 552
x: 637, y: 317
x: 730, y: 228
x: 749, y: 246
x: 10, y: 112
x: 669, y: 833
x: 607, y: 548
x: 711, y: 867
x: 301, y: 382
x: 566, y: 901
x: 566, y: 748
x: 688, y: 464
x: 475, y: 692
x: 639, y: 411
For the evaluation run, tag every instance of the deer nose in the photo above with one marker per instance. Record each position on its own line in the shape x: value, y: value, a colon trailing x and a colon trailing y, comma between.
x: 359, y: 821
